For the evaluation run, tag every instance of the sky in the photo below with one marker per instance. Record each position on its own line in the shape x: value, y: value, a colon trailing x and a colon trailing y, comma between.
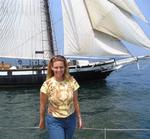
x: 143, y: 5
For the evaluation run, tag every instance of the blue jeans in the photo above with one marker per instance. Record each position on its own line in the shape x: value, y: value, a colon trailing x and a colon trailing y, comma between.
x: 61, y: 128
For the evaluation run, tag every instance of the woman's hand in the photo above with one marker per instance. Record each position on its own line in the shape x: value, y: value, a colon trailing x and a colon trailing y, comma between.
x: 42, y: 124
x: 77, y: 109
x: 80, y: 123
x: 43, y: 102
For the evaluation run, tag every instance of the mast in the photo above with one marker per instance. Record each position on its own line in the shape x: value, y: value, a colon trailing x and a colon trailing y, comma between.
x: 46, y: 30
x: 53, y: 40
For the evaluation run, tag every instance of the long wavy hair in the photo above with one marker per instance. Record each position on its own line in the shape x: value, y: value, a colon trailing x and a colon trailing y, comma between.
x: 55, y: 58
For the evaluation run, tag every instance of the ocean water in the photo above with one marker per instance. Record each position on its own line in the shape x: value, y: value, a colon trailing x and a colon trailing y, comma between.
x: 122, y: 101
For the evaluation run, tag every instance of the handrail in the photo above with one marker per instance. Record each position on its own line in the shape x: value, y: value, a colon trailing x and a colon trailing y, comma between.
x: 84, y: 128
x: 114, y: 129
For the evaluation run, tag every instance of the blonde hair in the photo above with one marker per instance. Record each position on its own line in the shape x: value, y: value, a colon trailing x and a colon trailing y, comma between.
x: 55, y: 58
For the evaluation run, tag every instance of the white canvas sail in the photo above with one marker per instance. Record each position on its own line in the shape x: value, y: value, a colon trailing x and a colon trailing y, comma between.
x: 92, y: 29
x: 106, y: 17
x: 130, y: 6
x: 79, y: 37
x: 23, y: 29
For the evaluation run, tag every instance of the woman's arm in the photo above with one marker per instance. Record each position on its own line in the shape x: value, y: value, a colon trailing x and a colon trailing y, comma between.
x: 77, y: 109
x: 43, y: 102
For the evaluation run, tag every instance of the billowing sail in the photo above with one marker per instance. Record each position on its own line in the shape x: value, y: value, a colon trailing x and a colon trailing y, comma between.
x: 23, y: 30
x: 79, y: 37
x: 129, y: 6
x: 106, y: 17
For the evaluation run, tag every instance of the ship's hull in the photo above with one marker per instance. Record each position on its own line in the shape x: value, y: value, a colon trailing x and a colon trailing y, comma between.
x: 83, y: 74
x: 22, y: 80
x: 33, y: 77
x: 33, y: 80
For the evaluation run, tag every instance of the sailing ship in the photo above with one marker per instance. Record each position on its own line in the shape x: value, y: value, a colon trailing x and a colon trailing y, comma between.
x: 91, y: 29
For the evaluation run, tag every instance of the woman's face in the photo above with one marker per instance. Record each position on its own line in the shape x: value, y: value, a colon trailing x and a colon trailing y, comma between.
x: 58, y: 69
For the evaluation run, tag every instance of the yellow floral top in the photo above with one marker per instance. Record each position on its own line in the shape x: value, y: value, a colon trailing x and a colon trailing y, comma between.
x: 60, y: 96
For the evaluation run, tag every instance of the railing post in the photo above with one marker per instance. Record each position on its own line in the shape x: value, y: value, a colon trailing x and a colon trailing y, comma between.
x: 105, y: 133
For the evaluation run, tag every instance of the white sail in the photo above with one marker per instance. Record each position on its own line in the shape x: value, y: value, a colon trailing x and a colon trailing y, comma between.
x: 93, y: 29
x: 23, y: 32
x: 79, y: 37
x: 130, y: 6
x: 106, y: 17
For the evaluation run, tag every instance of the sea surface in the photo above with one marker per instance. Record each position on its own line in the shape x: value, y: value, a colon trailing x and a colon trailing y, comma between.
x: 117, y: 108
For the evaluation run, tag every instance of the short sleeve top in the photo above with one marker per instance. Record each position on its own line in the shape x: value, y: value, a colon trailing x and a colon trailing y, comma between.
x: 60, y: 96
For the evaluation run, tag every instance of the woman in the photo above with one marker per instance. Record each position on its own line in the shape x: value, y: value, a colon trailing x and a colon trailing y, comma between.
x: 60, y: 92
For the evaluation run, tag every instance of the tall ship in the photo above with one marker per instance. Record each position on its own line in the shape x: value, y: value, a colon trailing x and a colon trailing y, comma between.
x: 92, y: 35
